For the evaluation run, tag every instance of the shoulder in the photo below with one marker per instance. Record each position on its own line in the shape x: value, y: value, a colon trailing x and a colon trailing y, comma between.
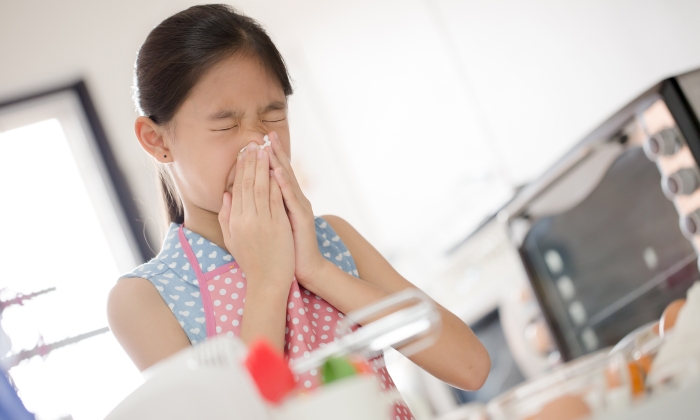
x: 137, y: 292
x: 345, y: 232
x: 147, y: 270
x: 142, y: 323
x: 159, y: 274
x: 332, y: 246
x: 335, y: 224
x: 330, y: 218
x: 371, y: 265
x: 129, y: 297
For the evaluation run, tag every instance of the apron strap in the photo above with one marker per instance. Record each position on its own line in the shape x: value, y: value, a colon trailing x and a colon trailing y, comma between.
x: 209, y: 320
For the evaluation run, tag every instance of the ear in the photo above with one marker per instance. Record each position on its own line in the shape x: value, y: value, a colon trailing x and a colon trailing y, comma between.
x: 151, y: 136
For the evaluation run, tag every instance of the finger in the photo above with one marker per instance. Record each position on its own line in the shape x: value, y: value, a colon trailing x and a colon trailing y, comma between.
x: 277, y: 210
x: 248, y: 181
x: 262, y: 184
x: 274, y: 162
x: 289, y: 192
x: 225, y: 212
x: 281, y: 157
x: 237, y: 189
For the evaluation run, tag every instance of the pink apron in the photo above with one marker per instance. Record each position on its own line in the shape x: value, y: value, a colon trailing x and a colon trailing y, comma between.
x: 311, y: 321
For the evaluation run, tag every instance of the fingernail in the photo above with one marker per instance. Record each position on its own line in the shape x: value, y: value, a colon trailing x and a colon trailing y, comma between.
x: 252, y: 146
x: 260, y: 153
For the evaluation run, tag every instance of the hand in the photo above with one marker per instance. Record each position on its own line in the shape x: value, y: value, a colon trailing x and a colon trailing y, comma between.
x: 255, y: 225
x: 308, y: 261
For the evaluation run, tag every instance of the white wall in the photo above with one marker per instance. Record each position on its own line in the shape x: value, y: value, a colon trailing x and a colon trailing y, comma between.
x: 547, y: 72
x: 411, y: 118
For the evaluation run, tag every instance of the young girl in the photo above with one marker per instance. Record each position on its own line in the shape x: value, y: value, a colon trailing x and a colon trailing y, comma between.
x: 244, y: 254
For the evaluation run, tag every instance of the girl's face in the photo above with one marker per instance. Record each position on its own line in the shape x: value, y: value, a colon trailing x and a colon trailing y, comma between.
x: 236, y: 102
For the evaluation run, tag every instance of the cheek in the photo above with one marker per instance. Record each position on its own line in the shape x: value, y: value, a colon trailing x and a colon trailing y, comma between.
x: 203, y: 180
x: 216, y: 176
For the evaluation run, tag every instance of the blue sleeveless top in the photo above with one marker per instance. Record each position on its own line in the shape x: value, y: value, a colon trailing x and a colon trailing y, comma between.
x: 175, y: 280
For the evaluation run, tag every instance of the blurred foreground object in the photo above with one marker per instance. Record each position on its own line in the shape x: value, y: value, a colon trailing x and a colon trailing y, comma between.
x: 677, y: 363
x: 642, y: 370
x: 10, y: 360
x: 11, y: 407
x: 221, y: 378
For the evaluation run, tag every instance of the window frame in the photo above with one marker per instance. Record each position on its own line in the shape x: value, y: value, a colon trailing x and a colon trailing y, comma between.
x: 121, y: 196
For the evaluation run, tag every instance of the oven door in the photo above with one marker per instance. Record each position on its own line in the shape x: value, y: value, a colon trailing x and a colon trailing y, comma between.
x: 609, y: 236
x: 611, y: 263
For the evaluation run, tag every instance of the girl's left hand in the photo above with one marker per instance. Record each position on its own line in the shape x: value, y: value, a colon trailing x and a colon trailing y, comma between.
x: 308, y: 261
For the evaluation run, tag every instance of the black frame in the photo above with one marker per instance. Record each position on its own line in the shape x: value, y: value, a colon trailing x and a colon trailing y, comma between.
x: 680, y: 109
x: 121, y: 187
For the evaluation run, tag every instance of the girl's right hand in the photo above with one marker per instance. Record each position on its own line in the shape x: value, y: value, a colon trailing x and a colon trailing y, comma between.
x: 255, y: 224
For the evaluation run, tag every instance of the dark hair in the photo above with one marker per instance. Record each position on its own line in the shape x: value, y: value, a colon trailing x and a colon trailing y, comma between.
x: 179, y: 51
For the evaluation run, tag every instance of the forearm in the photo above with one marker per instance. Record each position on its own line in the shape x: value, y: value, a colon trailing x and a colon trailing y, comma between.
x: 264, y: 314
x: 342, y: 290
x: 458, y: 357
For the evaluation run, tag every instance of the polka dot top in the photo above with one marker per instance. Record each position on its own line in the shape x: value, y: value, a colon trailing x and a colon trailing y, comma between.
x: 209, y: 300
x: 171, y: 274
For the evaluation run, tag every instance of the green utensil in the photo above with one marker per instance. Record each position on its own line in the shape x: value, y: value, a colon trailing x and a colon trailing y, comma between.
x: 336, y: 368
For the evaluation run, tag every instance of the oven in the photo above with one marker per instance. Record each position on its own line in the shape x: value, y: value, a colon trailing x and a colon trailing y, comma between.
x: 609, y: 236
x: 594, y: 248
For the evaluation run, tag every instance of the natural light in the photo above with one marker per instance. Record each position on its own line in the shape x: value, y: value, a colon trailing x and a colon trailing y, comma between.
x: 52, y: 237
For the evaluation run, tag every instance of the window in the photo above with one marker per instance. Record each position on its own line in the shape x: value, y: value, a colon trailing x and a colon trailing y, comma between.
x: 70, y: 229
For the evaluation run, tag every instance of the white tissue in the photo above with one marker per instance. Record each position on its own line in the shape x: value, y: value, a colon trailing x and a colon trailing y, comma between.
x: 267, y: 143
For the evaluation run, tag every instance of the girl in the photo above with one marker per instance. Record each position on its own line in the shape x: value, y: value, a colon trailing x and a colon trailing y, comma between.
x: 244, y: 254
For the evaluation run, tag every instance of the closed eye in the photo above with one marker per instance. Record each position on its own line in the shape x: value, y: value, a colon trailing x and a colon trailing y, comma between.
x: 272, y: 121
x: 225, y: 129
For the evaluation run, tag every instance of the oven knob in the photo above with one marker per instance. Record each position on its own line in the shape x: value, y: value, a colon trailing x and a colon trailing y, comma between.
x: 664, y: 143
x: 683, y: 182
x: 690, y: 224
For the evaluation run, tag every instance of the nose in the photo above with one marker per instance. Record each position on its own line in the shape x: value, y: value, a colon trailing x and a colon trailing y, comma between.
x: 259, y: 143
x: 256, y: 133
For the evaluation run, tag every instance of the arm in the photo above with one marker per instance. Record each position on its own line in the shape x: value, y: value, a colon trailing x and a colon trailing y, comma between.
x: 458, y: 357
x: 148, y: 332
x: 142, y: 323
x: 264, y: 314
x: 256, y: 230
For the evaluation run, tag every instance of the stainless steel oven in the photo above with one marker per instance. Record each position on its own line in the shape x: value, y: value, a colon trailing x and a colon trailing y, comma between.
x: 609, y: 236
x: 594, y: 248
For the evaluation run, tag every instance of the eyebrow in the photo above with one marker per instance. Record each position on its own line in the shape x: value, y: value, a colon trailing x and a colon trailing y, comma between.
x: 274, y: 106
x: 223, y: 114
x: 228, y: 113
